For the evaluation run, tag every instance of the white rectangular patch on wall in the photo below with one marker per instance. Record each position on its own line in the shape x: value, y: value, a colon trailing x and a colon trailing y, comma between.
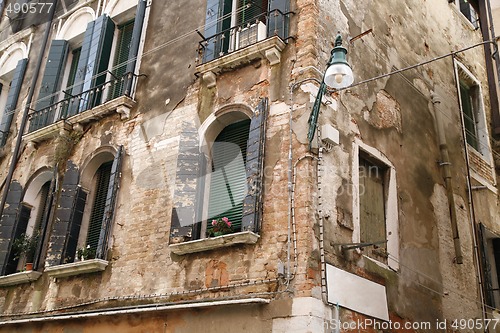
x: 356, y: 293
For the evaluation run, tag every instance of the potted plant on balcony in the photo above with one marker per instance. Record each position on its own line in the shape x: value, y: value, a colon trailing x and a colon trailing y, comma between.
x: 26, y: 246
x: 220, y: 226
x: 86, y: 253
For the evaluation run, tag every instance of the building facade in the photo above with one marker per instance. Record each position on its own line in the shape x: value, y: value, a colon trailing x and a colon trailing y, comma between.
x: 162, y: 172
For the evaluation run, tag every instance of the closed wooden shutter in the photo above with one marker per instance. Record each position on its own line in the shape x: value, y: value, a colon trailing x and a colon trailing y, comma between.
x: 63, y: 215
x: 121, y: 58
x: 12, y: 97
x: 51, y: 83
x: 8, y: 223
x: 228, y: 186
x: 188, y: 186
x: 372, y: 202
x: 93, y: 63
x: 75, y: 225
x: 134, y: 46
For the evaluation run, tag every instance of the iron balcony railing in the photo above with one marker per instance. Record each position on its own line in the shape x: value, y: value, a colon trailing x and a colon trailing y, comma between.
x: 251, y: 31
x: 75, y: 104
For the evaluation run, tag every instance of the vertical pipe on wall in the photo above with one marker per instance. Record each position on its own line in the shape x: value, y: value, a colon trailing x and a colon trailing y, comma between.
x: 446, y: 166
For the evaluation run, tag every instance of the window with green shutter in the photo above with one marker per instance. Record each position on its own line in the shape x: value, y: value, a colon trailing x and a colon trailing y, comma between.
x: 97, y: 214
x: 121, y: 58
x: 228, y: 181
x: 469, y: 114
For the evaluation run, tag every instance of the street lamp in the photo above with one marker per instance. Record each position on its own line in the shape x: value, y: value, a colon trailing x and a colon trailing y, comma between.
x: 338, y: 75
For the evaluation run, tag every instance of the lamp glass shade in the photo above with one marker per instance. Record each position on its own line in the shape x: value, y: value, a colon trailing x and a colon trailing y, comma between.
x: 339, y: 75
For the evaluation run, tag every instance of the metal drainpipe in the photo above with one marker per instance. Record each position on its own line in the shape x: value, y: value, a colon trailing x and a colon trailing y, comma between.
x: 472, y: 213
x: 24, y: 120
x: 445, y: 164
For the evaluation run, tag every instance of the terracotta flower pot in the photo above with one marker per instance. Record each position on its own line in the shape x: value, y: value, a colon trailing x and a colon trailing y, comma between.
x: 29, y: 266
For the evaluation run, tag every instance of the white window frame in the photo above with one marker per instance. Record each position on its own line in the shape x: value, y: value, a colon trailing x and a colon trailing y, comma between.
x: 391, y: 203
x: 484, y: 149
x: 456, y: 6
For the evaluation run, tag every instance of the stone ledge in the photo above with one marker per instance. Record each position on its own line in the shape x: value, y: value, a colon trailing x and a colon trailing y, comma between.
x: 76, y: 268
x: 206, y: 244
x: 19, y: 278
x: 269, y: 48
x: 121, y: 105
x: 48, y: 132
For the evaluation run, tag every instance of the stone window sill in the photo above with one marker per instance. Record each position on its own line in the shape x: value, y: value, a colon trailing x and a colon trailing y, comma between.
x: 19, y: 278
x: 77, y: 268
x: 121, y: 105
x: 207, y: 244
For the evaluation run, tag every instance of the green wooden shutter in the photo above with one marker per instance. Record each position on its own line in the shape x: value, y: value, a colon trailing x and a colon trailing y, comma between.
x: 93, y: 63
x: 228, y: 186
x: 12, y: 97
x: 121, y: 58
x: 277, y: 24
x: 63, y: 214
x: 76, y: 218
x: 134, y: 46
x: 252, y: 208
x: 52, y: 76
x: 217, y: 19
x: 81, y: 71
x: 8, y: 223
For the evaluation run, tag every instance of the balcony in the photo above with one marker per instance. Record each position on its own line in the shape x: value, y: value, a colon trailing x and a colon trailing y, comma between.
x: 90, y: 105
x: 261, y: 37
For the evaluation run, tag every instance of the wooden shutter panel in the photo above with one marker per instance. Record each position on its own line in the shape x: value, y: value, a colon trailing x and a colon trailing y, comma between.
x: 372, y: 204
x: 51, y: 81
x: 93, y: 62
x: 12, y: 97
x: 81, y: 71
x: 252, y: 206
x: 21, y: 226
x: 75, y: 224
x: 114, y: 184
x: 212, y: 27
x: 63, y: 214
x: 8, y: 223
x: 134, y: 45
x: 187, y: 178
x: 486, y: 267
x: 277, y: 24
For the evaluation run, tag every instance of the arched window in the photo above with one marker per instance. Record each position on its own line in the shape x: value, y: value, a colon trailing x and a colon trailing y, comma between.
x: 31, y: 224
x: 224, y: 181
x: 228, y: 181
x: 86, y: 208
